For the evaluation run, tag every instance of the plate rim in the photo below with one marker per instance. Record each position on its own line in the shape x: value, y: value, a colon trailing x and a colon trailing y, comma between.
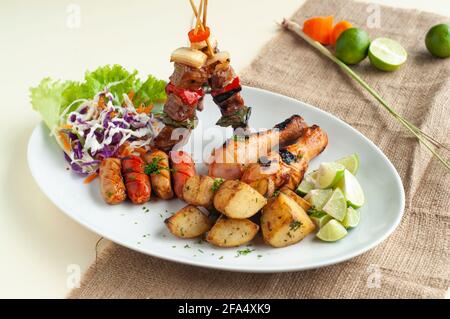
x: 241, y: 268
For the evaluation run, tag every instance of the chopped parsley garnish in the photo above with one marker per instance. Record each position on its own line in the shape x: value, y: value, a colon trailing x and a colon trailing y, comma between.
x: 221, y: 257
x: 244, y: 252
x: 276, y: 193
x: 154, y: 167
x: 187, y: 246
x: 201, y: 251
x: 217, y: 183
x: 295, y: 224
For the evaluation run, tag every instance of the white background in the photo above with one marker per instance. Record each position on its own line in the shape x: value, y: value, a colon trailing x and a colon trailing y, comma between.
x: 37, y: 242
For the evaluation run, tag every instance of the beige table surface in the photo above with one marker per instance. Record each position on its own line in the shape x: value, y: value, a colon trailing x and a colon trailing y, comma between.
x: 38, y: 243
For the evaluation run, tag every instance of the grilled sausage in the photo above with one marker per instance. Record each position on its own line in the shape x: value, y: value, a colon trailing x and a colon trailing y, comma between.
x: 136, y: 181
x: 158, y: 162
x: 112, y: 187
x: 183, y: 167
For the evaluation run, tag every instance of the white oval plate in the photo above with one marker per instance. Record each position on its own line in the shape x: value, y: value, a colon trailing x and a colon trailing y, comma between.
x: 133, y: 227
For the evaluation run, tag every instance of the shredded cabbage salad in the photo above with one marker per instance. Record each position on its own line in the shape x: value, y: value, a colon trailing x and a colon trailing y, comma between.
x: 94, y: 119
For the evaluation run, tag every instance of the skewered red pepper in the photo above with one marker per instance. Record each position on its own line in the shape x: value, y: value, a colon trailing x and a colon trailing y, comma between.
x: 200, y: 36
x: 236, y: 83
x: 189, y: 97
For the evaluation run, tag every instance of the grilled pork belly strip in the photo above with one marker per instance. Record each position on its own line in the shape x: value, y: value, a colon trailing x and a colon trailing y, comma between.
x: 230, y: 160
x: 286, y: 167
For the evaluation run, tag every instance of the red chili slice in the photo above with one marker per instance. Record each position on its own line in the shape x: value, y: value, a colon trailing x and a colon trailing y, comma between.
x: 188, y: 97
x: 233, y: 85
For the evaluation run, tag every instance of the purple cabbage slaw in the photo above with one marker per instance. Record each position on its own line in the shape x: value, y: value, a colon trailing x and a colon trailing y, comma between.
x: 97, y: 133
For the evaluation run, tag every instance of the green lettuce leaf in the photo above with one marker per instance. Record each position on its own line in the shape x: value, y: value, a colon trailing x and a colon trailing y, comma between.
x: 115, y: 77
x: 75, y: 91
x: 151, y: 91
x: 47, y: 99
x: 50, y: 98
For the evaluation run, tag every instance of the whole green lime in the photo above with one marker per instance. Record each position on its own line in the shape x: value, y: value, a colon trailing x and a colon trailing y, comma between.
x: 437, y: 40
x: 352, y: 46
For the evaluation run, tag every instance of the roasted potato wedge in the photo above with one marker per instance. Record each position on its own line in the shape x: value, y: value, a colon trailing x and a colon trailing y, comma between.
x: 236, y: 199
x: 230, y: 232
x: 284, y: 222
x: 189, y: 222
x: 299, y: 200
x: 198, y: 191
x: 265, y: 186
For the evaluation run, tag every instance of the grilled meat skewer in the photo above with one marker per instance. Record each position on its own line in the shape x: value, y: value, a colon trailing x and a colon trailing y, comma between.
x: 225, y: 89
x: 184, y: 96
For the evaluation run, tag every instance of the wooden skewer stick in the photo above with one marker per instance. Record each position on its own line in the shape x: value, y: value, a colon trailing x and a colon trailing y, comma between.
x: 199, y: 22
x: 202, y: 27
x: 205, y: 11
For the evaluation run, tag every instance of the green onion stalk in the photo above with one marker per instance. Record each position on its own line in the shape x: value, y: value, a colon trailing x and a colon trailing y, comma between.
x: 422, y: 137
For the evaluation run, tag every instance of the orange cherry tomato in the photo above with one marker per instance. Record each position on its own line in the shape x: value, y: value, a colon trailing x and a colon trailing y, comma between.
x: 338, y: 29
x: 319, y: 29
x: 201, y: 35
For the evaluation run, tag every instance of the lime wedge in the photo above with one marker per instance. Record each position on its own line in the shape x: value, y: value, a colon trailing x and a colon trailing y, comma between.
x: 350, y: 162
x: 320, y: 218
x: 337, y: 205
x: 329, y: 174
x: 386, y: 54
x: 332, y: 231
x: 351, y: 219
x: 308, y: 183
x: 318, y: 197
x: 352, y: 190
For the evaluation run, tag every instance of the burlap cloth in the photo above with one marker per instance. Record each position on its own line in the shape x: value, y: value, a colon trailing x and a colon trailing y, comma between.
x: 414, y: 261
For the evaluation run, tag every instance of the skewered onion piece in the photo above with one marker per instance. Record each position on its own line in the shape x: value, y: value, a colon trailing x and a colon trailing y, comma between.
x: 203, y: 44
x: 218, y: 57
x: 188, y: 56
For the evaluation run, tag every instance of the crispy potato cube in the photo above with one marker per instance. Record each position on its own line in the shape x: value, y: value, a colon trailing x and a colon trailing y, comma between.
x: 236, y: 199
x: 198, y: 190
x: 189, y: 222
x: 284, y: 222
x: 230, y: 232
x: 299, y: 200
